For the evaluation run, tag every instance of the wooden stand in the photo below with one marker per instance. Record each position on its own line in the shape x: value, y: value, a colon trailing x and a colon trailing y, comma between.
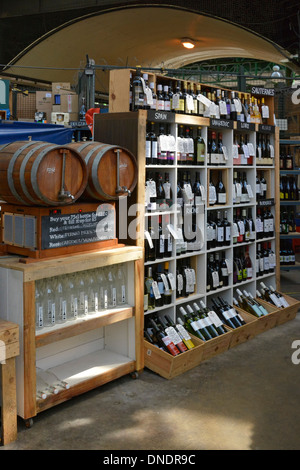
x: 86, y: 352
x: 9, y: 349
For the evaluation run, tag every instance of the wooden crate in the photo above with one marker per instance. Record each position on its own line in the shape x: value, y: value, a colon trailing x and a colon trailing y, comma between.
x: 269, y: 321
x: 246, y: 332
x: 168, y: 366
x: 9, y: 340
x: 285, y: 314
x: 216, y: 346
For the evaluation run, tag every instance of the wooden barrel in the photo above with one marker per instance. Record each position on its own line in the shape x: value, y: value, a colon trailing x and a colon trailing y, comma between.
x: 112, y: 170
x: 41, y: 174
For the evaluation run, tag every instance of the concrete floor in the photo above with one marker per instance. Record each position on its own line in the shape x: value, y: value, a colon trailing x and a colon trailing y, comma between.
x: 245, y: 399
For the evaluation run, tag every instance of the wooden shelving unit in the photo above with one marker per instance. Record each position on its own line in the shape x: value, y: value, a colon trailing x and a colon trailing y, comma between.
x: 86, y: 352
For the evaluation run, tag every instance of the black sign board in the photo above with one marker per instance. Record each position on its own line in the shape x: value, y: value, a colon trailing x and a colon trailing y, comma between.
x: 265, y: 128
x: 245, y: 126
x: 160, y: 116
x: 256, y: 90
x: 62, y: 230
x: 266, y: 202
x: 221, y: 123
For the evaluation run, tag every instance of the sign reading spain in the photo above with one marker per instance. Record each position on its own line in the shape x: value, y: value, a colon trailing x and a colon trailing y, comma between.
x: 4, y: 94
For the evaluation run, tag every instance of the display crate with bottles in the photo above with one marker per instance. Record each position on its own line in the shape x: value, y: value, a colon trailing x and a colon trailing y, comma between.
x: 167, y: 142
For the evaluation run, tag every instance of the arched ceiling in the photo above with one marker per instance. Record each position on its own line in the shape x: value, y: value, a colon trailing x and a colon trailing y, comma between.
x: 141, y: 35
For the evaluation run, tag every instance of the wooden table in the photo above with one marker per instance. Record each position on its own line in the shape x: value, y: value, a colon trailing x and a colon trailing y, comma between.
x: 9, y: 349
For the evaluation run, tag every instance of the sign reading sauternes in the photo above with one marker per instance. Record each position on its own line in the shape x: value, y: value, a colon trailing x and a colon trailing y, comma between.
x: 262, y: 91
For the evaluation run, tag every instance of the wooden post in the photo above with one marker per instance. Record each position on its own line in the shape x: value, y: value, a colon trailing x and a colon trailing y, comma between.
x: 9, y: 401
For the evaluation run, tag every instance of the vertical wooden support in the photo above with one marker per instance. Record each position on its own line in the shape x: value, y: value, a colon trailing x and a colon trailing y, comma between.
x: 139, y: 313
x: 277, y: 208
x: 9, y: 401
x: 29, y: 351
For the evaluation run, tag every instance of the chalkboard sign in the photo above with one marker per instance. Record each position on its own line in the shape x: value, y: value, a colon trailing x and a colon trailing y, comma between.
x: 161, y: 116
x: 221, y: 123
x: 248, y: 126
x: 62, y: 230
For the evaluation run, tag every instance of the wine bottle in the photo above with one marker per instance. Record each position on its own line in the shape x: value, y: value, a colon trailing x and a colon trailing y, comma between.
x: 199, y: 149
x: 270, y: 296
x: 201, y: 313
x: 191, y: 325
x: 201, y: 324
x: 221, y: 190
x: 217, y: 323
x: 149, y: 287
x: 223, y: 314
x: 234, y: 316
x: 164, y: 340
x: 138, y: 95
x: 247, y: 305
x: 173, y: 335
x: 183, y: 333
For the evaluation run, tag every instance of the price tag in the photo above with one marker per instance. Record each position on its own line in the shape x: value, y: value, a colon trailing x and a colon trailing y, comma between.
x: 156, y: 290
x: 212, y: 195
x: 259, y: 153
x: 235, y: 230
x: 171, y: 143
x: 251, y: 149
x: 241, y: 227
x: 238, y: 105
x: 265, y: 114
x: 165, y: 281
x: 235, y: 151
x: 272, y: 152
x: 162, y: 142
x: 225, y: 153
x: 203, y: 192
x: 172, y: 281
x: 229, y: 266
x: 189, y: 103
x: 223, y: 107
x: 175, y: 101
x: 149, y: 96
x: 180, y: 145
x: 173, y: 231
x: 203, y: 100
x: 215, y: 278
x: 246, y: 151
x: 167, y: 189
x: 250, y: 192
x: 238, y: 187
x: 147, y: 235
x: 215, y: 319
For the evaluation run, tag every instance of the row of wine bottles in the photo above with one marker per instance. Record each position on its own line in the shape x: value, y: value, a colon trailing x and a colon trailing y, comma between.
x: 270, y: 295
x: 195, y: 99
x: 190, y: 148
x: 62, y: 298
x: 160, y: 283
x: 265, y: 259
x: 159, y: 193
x: 287, y: 253
x: 206, y: 323
x: 287, y: 221
x: 286, y: 162
x: 47, y: 384
x: 289, y: 188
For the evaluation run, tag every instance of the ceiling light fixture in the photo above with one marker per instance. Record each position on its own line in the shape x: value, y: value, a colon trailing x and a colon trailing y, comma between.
x: 188, y: 43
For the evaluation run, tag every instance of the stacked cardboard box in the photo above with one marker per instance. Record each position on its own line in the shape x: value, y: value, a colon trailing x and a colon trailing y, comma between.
x: 64, y: 100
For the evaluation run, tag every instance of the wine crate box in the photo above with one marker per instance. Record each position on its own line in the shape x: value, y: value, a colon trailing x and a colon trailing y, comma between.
x: 168, y: 366
x: 217, y: 345
x: 288, y: 313
x: 246, y: 332
x: 269, y: 321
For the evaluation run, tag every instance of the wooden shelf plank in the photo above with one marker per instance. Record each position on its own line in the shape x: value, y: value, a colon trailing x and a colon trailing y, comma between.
x: 81, y: 325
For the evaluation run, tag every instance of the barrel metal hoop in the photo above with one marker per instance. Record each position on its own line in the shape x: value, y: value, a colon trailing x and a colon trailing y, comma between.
x: 11, y: 167
x: 34, y: 168
x: 87, y: 158
x: 83, y: 146
x: 22, y: 170
x: 95, y: 171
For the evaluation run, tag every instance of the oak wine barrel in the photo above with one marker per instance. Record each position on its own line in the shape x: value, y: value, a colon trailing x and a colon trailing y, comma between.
x: 41, y: 174
x: 112, y: 170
